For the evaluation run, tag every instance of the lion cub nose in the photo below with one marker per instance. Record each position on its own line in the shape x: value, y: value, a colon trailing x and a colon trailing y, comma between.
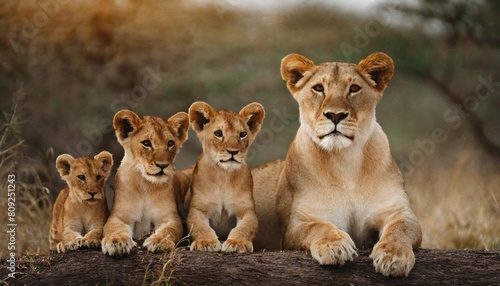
x: 92, y: 193
x: 233, y: 151
x: 336, y: 117
x: 161, y: 166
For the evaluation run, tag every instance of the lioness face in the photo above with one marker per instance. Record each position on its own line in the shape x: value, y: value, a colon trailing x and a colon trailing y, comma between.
x: 86, y: 177
x: 152, y: 143
x: 226, y: 135
x: 337, y: 100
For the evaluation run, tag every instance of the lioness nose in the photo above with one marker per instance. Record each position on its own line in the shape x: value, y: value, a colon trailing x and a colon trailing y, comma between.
x: 92, y: 193
x: 233, y: 151
x: 162, y: 166
x: 336, y: 117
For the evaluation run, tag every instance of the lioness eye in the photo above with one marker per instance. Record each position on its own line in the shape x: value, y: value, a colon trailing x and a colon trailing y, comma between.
x: 318, y: 88
x: 98, y: 177
x: 81, y: 177
x: 146, y: 143
x: 354, y: 88
x: 243, y: 134
x: 218, y: 133
x: 170, y: 143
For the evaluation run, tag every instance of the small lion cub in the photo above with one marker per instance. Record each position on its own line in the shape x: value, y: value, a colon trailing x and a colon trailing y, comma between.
x: 221, y: 196
x: 80, y: 210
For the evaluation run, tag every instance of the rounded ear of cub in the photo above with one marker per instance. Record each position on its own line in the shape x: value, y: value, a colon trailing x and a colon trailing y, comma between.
x: 106, y: 160
x: 254, y: 114
x: 378, y: 67
x: 200, y: 114
x: 63, y: 165
x: 124, y: 123
x: 180, y: 123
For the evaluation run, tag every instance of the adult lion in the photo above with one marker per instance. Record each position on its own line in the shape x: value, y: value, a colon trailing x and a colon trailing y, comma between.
x: 339, y: 185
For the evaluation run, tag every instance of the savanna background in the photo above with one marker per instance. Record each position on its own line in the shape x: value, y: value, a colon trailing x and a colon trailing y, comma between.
x: 66, y: 67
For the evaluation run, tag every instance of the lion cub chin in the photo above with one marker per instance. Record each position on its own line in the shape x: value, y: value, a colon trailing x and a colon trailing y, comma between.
x: 80, y: 210
x: 145, y: 184
x: 221, y: 195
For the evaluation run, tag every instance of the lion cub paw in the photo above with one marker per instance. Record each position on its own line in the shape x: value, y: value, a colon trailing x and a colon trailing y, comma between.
x: 117, y: 244
x: 157, y: 243
x: 212, y: 245
x: 334, y: 252
x: 72, y: 245
x: 237, y: 246
x: 393, y: 259
x: 91, y: 243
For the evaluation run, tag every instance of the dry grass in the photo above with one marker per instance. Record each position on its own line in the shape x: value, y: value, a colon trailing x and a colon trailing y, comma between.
x: 33, y: 201
x: 458, y: 207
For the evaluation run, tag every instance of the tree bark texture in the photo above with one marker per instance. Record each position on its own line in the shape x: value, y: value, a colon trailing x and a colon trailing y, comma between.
x: 184, y: 267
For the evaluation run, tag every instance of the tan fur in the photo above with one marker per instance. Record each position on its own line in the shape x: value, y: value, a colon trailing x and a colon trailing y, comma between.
x: 80, y: 210
x: 146, y: 186
x: 221, y: 201
x: 339, y: 185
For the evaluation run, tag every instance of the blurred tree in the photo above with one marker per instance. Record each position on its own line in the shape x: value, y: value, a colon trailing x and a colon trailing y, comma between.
x: 457, y: 57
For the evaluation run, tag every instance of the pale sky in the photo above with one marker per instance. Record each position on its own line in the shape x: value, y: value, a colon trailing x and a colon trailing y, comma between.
x: 348, y: 5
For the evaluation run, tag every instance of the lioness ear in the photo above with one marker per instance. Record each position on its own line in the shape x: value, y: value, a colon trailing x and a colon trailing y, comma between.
x: 180, y: 122
x: 293, y: 67
x: 106, y: 160
x: 125, y: 122
x: 200, y: 114
x: 63, y: 165
x: 380, y: 67
x: 254, y: 115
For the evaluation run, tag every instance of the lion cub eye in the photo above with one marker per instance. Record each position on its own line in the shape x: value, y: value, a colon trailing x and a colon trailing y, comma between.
x: 146, y: 143
x: 170, y: 143
x: 218, y: 133
x: 81, y: 177
x: 243, y: 134
x: 318, y: 88
x: 354, y: 88
x: 98, y: 177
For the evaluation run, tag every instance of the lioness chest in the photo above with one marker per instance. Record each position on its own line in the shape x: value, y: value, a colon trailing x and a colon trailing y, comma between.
x: 345, y: 205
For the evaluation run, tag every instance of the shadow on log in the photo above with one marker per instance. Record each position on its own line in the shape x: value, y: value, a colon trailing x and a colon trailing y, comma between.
x: 91, y: 267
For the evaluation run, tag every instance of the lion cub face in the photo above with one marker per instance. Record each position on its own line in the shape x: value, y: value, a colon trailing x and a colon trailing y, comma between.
x: 151, y: 143
x: 86, y: 177
x: 337, y: 100
x: 226, y: 135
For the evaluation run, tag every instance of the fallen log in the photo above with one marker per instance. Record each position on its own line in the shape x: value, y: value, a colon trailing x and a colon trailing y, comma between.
x: 183, y: 267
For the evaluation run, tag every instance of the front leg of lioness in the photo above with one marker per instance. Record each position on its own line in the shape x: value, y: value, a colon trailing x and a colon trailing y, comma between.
x: 240, y: 238
x: 393, y: 254
x: 328, y: 244
x: 117, y: 237
x: 204, y: 237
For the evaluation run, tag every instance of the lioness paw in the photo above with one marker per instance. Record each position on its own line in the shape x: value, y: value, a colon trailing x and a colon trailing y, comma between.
x: 334, y: 252
x: 117, y: 245
x: 156, y: 243
x: 393, y: 259
x: 212, y: 245
x: 237, y: 246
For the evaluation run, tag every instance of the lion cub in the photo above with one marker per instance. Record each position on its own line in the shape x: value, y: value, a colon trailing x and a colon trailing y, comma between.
x: 80, y: 210
x: 221, y: 200
x: 146, y: 185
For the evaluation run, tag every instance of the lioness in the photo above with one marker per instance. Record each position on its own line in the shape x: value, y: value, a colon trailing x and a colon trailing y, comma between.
x: 339, y: 185
x: 220, y: 200
x: 145, y: 184
x: 80, y: 210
